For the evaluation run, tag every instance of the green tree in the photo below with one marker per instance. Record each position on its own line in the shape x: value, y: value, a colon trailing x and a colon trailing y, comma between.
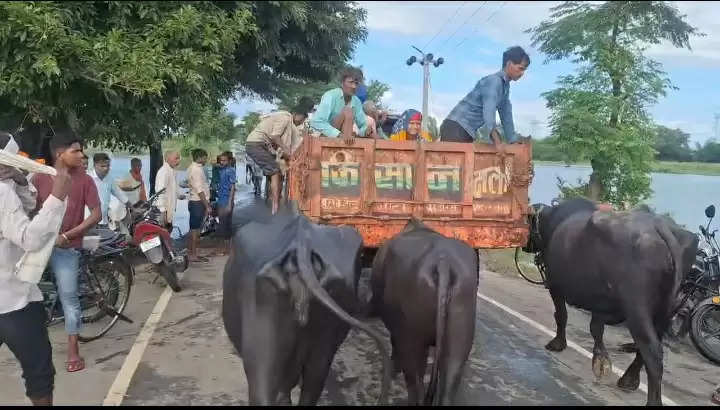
x: 672, y: 144
x: 248, y: 123
x: 433, y: 129
x: 601, y: 111
x: 375, y: 92
x: 708, y: 152
x: 129, y: 74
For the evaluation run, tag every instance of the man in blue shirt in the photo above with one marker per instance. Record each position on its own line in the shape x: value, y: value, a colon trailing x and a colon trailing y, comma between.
x: 340, y: 109
x: 226, y: 198
x: 476, y: 112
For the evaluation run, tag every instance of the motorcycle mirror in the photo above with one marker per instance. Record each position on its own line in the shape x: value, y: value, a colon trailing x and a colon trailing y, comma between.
x: 710, y: 211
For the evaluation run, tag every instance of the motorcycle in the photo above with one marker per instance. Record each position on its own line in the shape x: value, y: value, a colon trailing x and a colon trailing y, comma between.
x: 698, y: 311
x: 142, y: 222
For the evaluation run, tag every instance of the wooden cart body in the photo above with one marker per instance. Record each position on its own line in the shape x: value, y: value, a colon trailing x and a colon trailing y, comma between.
x: 464, y: 191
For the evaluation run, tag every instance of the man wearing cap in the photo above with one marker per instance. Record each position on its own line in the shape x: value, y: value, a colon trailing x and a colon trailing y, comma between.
x: 277, y: 131
x: 22, y: 315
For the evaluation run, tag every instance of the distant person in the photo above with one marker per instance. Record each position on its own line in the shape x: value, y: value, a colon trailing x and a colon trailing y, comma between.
x: 105, y: 187
x: 85, y: 162
x: 166, y: 179
x: 23, y: 318
x: 409, y: 127
x: 375, y: 119
x: 132, y: 183
x: 226, y: 198
x: 476, y: 112
x: 199, y: 201
x: 67, y: 152
x: 276, y: 131
x: 340, y: 109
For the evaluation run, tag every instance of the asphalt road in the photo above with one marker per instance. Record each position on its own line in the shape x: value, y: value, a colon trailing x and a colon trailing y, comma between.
x: 188, y: 359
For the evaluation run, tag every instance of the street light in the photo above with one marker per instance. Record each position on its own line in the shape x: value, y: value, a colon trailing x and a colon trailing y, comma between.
x: 425, y: 61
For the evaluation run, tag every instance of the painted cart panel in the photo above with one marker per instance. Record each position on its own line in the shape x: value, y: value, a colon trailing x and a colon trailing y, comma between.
x: 464, y: 191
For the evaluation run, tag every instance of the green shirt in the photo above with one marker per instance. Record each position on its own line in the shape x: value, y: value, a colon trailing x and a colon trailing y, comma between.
x: 331, y: 104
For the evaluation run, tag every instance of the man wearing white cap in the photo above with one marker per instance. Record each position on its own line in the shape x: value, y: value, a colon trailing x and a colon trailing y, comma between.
x: 22, y: 316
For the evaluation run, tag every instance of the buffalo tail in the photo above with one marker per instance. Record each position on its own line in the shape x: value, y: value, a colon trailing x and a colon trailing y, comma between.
x: 307, y: 274
x: 435, y: 389
x: 676, y: 255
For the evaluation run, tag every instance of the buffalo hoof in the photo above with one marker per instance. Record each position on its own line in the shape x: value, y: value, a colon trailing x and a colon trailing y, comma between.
x: 556, y: 345
x: 601, y: 365
x: 628, y: 348
x: 629, y: 383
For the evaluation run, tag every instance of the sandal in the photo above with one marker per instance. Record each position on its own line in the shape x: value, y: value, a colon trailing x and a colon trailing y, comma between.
x: 75, y: 365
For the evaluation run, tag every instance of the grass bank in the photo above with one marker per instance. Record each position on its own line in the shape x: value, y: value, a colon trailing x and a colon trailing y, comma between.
x: 503, y: 261
x: 666, y: 167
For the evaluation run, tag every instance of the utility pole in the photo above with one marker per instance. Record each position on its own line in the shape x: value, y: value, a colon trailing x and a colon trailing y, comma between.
x: 717, y: 126
x: 425, y: 61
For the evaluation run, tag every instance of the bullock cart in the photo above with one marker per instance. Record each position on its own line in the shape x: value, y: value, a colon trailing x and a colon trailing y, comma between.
x: 464, y: 191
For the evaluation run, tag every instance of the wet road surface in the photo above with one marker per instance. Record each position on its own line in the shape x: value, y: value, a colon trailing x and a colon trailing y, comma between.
x: 190, y: 361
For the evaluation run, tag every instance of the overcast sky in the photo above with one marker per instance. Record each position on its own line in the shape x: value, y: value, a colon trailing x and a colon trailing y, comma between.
x: 471, y: 37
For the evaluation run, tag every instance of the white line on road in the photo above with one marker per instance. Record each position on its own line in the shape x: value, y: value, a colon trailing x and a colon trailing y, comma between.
x: 573, y: 345
x: 120, y: 386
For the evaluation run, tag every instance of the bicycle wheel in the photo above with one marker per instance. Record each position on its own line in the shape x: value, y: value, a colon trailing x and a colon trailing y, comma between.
x: 104, y: 295
x: 705, y: 331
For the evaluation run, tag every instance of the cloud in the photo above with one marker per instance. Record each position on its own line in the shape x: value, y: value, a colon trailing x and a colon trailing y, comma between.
x: 481, y: 70
x: 705, y: 50
x: 504, y: 22
x: 699, y: 131
x: 241, y: 106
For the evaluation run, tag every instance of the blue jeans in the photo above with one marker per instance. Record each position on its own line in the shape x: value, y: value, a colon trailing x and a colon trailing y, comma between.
x: 65, y: 264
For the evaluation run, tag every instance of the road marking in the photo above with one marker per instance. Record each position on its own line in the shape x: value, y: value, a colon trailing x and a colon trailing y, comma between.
x: 120, y: 386
x: 570, y: 344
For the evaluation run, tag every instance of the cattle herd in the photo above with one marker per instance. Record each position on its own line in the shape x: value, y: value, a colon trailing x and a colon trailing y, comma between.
x: 291, y: 294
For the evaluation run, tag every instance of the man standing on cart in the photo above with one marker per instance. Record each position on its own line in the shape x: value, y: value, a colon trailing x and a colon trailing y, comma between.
x: 276, y: 131
x: 476, y: 112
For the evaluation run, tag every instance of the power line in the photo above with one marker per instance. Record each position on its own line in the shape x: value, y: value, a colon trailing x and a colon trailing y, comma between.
x: 445, y: 24
x: 476, y: 27
x: 461, y: 26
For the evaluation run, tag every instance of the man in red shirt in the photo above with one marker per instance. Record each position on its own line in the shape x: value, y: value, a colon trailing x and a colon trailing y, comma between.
x: 65, y: 259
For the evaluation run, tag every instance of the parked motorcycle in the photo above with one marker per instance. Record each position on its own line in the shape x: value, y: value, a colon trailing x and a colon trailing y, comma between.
x: 699, y: 297
x: 143, y: 224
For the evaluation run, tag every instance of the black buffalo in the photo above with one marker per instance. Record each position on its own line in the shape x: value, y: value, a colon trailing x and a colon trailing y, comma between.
x: 287, y: 290
x: 424, y: 288
x: 620, y: 266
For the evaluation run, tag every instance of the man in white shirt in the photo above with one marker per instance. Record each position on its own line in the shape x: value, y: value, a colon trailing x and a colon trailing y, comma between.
x: 165, y: 179
x: 199, y: 201
x: 22, y: 315
x: 106, y: 188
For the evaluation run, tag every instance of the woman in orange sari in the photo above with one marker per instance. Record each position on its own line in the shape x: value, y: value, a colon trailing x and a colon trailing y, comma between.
x: 409, y: 127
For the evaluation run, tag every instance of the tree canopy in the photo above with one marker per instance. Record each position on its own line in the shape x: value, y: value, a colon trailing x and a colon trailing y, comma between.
x: 127, y: 74
x: 600, y: 112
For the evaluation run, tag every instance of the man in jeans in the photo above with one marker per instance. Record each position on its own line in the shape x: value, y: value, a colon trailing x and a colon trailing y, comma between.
x: 67, y: 152
x: 22, y: 316
x: 199, y: 201
x: 476, y: 112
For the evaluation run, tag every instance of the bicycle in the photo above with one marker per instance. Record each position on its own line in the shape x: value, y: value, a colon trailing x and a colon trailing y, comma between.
x: 105, y: 279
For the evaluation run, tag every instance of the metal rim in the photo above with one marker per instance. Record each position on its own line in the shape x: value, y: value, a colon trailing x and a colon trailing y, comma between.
x: 517, y: 265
